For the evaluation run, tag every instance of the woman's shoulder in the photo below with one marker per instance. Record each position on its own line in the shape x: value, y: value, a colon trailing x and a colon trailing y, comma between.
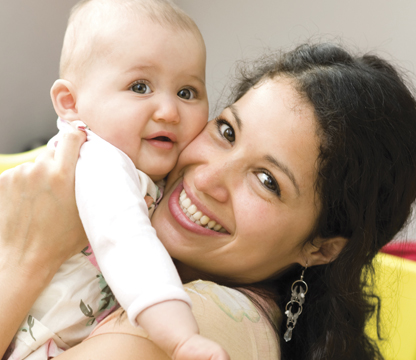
x: 224, y: 315
x: 229, y: 317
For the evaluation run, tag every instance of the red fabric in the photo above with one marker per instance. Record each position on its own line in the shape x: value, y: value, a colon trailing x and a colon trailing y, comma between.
x: 402, y: 249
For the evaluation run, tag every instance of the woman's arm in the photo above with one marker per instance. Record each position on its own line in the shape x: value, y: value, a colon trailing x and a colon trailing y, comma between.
x: 39, y: 229
x: 115, y: 346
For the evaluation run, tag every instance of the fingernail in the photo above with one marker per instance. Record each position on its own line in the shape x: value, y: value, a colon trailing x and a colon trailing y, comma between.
x: 55, y: 144
x: 82, y: 128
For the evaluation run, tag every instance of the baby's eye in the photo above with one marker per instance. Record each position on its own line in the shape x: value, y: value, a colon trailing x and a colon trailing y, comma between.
x: 141, y: 88
x: 227, y: 132
x: 187, y: 94
x: 268, y: 182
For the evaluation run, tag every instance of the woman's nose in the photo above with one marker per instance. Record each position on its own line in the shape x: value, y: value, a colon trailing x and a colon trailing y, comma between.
x: 211, y: 179
x: 166, y: 110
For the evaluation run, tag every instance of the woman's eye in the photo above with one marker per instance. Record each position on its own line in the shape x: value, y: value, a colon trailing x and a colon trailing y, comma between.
x: 269, y: 182
x: 186, y: 94
x: 227, y: 132
x: 141, y: 88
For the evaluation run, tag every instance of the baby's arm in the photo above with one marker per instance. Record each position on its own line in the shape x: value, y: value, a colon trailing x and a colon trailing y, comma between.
x: 172, y: 326
x: 133, y: 261
x: 112, y: 208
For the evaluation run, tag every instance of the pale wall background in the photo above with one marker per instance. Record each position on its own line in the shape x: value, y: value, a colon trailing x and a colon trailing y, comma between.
x: 31, y: 33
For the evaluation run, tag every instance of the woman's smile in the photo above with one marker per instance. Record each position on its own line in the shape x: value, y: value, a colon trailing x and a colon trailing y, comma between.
x: 196, y: 216
x: 188, y: 215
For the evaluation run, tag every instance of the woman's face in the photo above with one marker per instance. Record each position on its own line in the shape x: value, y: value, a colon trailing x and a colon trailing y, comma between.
x: 252, y: 171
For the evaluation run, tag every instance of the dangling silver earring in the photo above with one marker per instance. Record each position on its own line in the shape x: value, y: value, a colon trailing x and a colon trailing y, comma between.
x: 299, y: 290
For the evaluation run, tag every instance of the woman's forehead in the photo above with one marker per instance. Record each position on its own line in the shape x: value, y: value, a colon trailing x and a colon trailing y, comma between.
x: 274, y: 110
x: 279, y: 91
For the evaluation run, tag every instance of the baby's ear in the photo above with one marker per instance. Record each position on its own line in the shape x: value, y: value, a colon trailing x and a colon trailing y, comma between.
x: 64, y: 100
x: 323, y: 251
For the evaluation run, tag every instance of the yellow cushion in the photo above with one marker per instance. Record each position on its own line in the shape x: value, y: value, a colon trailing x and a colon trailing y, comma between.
x: 396, y: 285
x: 8, y: 161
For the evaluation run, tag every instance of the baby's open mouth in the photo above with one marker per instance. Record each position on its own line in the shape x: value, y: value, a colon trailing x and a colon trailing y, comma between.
x: 196, y: 216
x: 162, y: 138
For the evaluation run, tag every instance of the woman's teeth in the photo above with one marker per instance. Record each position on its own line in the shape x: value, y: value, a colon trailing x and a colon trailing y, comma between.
x: 192, y: 212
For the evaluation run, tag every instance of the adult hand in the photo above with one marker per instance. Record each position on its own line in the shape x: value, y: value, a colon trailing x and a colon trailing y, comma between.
x: 39, y: 229
x: 39, y: 222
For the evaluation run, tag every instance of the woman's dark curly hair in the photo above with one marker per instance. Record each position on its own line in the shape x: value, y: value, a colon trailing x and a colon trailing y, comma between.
x: 366, y: 183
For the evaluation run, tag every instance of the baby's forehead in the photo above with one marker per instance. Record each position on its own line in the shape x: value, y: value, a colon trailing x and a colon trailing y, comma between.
x: 128, y: 36
x: 95, y: 15
x: 94, y: 27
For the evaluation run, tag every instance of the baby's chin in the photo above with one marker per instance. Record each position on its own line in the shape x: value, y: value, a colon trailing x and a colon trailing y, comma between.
x: 156, y: 173
x: 156, y: 178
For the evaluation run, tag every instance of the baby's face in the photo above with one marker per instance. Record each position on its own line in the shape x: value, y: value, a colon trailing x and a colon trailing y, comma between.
x: 147, y: 95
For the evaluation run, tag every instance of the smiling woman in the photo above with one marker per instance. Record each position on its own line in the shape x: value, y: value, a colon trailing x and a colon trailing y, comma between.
x: 252, y: 180
x: 312, y: 166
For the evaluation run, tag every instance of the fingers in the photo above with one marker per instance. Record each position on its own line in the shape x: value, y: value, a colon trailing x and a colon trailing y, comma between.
x: 200, y: 348
x: 67, y: 151
x: 48, y: 154
x: 13, y: 175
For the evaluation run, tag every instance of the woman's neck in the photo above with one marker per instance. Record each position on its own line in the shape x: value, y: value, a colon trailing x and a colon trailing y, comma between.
x: 187, y: 273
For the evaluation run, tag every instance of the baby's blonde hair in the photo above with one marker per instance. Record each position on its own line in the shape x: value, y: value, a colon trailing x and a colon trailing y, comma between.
x: 89, y: 20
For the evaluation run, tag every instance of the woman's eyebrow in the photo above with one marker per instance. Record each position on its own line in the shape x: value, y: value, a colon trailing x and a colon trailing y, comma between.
x: 285, y: 169
x: 273, y: 161
x: 236, y: 117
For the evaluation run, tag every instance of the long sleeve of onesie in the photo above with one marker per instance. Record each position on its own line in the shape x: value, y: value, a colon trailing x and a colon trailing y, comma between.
x: 110, y: 200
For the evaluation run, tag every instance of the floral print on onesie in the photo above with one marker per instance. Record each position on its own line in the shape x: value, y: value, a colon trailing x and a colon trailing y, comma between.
x: 77, y: 298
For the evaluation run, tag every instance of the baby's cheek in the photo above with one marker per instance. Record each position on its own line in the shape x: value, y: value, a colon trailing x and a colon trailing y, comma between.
x: 122, y: 142
x: 197, y: 121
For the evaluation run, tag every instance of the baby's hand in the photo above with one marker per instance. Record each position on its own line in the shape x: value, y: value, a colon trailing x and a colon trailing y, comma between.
x: 198, y: 347
x: 178, y: 336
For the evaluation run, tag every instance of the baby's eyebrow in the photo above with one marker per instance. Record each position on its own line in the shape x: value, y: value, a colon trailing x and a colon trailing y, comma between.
x: 197, y: 78
x: 140, y: 68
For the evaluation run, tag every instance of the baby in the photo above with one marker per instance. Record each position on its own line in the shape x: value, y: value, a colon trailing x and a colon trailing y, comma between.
x: 133, y: 78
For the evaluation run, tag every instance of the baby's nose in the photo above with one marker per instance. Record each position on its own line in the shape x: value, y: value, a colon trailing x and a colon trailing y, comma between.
x: 167, y: 111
